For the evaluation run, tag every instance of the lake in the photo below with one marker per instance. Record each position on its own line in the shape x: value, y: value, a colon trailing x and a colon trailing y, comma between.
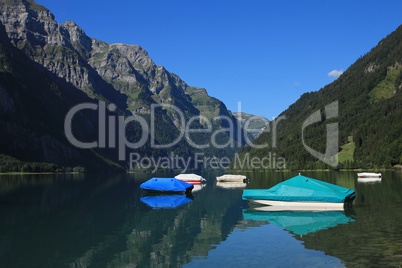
x: 87, y: 220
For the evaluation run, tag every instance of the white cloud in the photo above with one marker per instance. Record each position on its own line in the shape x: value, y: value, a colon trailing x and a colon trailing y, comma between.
x: 335, y: 73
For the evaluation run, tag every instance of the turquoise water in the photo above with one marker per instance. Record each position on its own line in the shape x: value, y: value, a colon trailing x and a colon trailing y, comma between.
x: 101, y: 221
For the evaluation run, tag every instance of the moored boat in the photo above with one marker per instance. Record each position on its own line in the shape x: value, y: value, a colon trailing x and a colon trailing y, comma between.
x: 190, y: 178
x: 167, y: 185
x: 302, y: 191
x: 231, y: 178
x: 369, y: 175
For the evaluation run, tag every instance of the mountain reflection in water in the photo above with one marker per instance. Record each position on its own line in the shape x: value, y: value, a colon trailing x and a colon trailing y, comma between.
x: 97, y: 221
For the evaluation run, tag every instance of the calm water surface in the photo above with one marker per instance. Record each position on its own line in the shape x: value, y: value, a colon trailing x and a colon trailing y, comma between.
x: 103, y: 221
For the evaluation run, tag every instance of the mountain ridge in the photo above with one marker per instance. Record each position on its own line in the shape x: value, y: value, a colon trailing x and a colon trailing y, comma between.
x: 119, y: 74
x: 368, y: 95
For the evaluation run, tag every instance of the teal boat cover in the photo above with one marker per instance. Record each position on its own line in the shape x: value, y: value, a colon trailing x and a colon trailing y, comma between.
x: 166, y: 185
x: 300, y: 222
x: 303, y: 189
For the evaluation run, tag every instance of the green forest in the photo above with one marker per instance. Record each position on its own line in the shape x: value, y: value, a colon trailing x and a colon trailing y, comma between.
x: 369, y: 96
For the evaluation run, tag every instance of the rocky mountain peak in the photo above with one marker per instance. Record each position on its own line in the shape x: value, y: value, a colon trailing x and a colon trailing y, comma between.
x: 117, y: 73
x: 77, y: 38
x: 21, y: 20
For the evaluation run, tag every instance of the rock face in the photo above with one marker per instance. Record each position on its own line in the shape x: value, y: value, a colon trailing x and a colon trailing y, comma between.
x: 32, y: 110
x: 253, y: 125
x: 115, y: 73
x: 89, y: 64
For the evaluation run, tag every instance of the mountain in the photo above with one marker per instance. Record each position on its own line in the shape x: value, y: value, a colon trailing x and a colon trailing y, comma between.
x: 32, y: 110
x: 360, y: 113
x: 145, y: 109
x: 252, y: 124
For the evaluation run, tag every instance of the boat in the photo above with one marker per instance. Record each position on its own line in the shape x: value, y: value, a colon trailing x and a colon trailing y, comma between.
x: 166, y: 185
x: 190, y: 178
x: 231, y: 178
x: 369, y: 175
x: 302, y: 191
x: 165, y: 201
x: 300, y: 222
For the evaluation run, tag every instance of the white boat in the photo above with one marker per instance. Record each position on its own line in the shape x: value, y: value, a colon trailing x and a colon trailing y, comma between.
x: 231, y: 178
x: 369, y: 175
x: 190, y: 178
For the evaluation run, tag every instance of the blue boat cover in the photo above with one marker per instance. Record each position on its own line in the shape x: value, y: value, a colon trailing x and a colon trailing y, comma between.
x: 165, y: 201
x: 304, y: 189
x: 300, y: 222
x: 166, y: 185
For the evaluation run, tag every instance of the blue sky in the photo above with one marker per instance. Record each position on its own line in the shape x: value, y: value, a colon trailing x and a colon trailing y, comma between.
x: 262, y: 53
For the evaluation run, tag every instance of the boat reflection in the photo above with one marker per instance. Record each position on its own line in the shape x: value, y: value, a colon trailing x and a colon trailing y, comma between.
x: 368, y: 180
x: 300, y: 222
x: 231, y: 185
x: 165, y: 201
x: 198, y: 187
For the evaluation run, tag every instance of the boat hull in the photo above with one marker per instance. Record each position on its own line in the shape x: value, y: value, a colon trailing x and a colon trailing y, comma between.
x: 284, y: 205
x: 369, y: 175
x: 194, y: 182
x: 190, y: 178
x: 232, y: 178
x: 167, y: 192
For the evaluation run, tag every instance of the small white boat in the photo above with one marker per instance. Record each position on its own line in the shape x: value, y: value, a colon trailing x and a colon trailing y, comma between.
x: 369, y: 175
x: 231, y: 178
x: 190, y: 178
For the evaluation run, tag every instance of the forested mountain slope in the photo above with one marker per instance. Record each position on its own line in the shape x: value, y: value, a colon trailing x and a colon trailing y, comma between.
x: 122, y: 77
x: 32, y: 110
x: 368, y: 96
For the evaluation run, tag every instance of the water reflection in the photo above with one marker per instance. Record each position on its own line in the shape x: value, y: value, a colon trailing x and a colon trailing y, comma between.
x: 300, y: 222
x: 265, y: 245
x: 98, y: 221
x: 369, y: 180
x: 165, y: 201
x: 231, y: 185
